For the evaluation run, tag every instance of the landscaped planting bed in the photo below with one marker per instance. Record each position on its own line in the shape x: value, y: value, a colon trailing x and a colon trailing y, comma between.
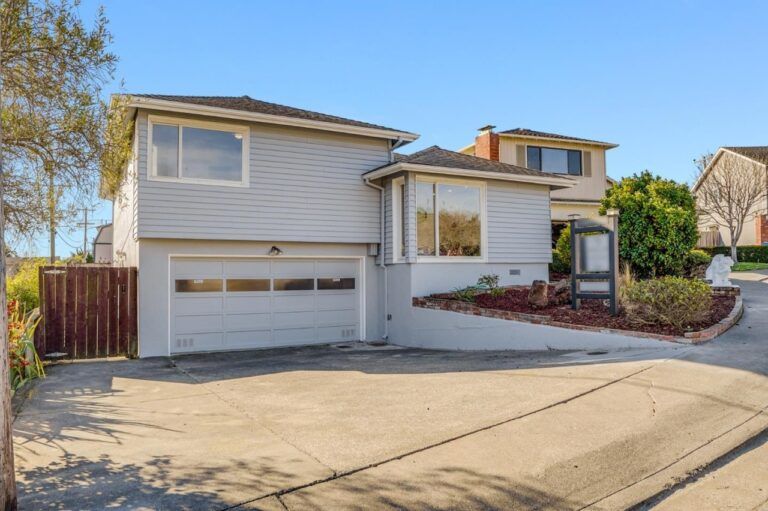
x: 593, y: 313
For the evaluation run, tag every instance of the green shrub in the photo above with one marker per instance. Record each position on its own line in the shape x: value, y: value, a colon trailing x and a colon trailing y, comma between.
x: 466, y: 294
x: 671, y: 301
x: 23, y: 287
x: 657, y: 223
x: 563, y: 248
x: 696, y: 263
x: 745, y: 254
x: 559, y: 265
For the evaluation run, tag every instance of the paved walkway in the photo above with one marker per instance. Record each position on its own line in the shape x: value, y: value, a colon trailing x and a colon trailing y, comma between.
x: 361, y: 427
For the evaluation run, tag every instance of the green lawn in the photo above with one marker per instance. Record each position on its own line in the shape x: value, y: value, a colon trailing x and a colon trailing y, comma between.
x: 749, y: 266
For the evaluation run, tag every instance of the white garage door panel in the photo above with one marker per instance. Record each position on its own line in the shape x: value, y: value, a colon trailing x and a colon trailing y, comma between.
x: 328, y: 301
x: 248, y: 269
x: 337, y: 317
x: 287, y: 301
x: 290, y: 336
x: 193, y: 305
x: 247, y: 321
x: 238, y: 303
x: 254, y: 314
x: 247, y: 338
x: 198, y: 269
x: 200, y: 323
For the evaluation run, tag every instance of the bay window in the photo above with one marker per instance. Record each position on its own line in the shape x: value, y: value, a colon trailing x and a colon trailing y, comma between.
x: 449, y: 219
x: 198, y: 152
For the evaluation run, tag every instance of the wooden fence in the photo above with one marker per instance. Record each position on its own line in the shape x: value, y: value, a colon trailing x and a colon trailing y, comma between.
x: 88, y: 312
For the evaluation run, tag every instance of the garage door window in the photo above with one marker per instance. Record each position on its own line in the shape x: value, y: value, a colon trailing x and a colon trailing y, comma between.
x: 294, y: 284
x: 198, y: 285
x: 245, y: 285
x: 335, y: 283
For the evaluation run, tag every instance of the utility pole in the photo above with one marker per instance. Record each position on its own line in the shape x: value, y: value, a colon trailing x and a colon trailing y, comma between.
x: 51, y: 208
x: 84, y: 224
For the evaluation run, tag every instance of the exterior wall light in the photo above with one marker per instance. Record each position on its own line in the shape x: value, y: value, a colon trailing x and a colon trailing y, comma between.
x: 274, y: 251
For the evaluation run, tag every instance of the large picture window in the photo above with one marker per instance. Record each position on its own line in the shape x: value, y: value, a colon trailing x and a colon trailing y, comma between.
x: 555, y: 161
x: 198, y: 152
x: 449, y: 219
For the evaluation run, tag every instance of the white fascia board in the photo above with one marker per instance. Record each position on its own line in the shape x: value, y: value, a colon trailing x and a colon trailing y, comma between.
x: 552, y: 182
x: 606, y: 145
x: 228, y: 113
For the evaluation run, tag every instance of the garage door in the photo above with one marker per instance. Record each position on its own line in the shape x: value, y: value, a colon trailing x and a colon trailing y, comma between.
x: 257, y: 303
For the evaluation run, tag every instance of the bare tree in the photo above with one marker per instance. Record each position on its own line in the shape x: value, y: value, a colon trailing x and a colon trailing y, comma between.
x: 728, y: 192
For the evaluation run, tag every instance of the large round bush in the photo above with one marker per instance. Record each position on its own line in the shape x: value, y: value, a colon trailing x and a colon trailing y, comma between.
x: 657, y: 223
x: 672, y: 301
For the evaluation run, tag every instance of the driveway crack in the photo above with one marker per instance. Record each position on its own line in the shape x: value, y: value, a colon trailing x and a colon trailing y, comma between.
x: 339, y: 475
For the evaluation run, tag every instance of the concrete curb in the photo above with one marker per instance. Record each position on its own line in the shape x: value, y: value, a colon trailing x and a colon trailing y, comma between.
x: 537, y: 319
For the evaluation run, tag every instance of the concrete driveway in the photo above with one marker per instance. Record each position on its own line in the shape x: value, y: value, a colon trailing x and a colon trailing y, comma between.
x: 362, y: 427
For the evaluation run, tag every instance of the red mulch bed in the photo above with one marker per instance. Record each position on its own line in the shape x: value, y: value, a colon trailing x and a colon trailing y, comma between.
x: 592, y: 312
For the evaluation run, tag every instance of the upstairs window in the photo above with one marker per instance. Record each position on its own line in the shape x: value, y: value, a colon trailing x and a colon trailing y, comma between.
x: 555, y: 161
x: 198, y: 152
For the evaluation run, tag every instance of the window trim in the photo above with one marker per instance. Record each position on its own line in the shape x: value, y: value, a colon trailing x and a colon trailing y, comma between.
x: 566, y: 149
x: 242, y: 129
x: 437, y: 258
x: 397, y: 221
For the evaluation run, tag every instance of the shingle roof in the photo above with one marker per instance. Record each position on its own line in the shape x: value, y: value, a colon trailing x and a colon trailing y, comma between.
x: 438, y: 157
x: 757, y: 153
x: 248, y: 104
x: 525, y: 132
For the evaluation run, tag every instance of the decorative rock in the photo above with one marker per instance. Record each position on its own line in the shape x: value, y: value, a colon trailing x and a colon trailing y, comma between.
x: 562, y: 292
x: 718, y: 271
x: 538, y: 294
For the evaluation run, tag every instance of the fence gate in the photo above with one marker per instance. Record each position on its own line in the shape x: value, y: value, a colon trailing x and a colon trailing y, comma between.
x: 88, y: 311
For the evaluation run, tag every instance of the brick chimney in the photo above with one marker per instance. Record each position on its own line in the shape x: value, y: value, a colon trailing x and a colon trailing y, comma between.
x: 487, y: 143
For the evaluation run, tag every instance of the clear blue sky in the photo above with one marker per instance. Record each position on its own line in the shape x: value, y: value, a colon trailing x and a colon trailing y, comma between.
x: 667, y: 81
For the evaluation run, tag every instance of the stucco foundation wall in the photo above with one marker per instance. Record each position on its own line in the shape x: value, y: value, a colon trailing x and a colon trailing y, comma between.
x: 154, y: 278
x: 428, y: 278
x: 434, y: 329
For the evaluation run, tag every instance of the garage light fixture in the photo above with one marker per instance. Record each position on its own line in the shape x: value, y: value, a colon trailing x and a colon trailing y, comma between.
x: 274, y: 251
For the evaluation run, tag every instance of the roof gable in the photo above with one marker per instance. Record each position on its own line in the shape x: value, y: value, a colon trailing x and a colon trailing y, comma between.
x: 247, y: 105
x: 443, y: 161
x: 525, y: 132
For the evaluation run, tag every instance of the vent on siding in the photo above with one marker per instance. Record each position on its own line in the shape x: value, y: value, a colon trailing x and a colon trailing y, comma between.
x: 514, y: 271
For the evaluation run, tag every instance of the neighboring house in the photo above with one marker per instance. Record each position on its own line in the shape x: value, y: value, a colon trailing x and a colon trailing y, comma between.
x: 260, y: 225
x: 102, y: 245
x: 755, y: 230
x: 581, y: 159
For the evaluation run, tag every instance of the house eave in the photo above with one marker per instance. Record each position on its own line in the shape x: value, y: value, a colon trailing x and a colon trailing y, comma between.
x: 555, y: 183
x: 228, y: 113
x: 606, y: 145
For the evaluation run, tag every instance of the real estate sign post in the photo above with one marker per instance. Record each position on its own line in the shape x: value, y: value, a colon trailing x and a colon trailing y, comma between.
x: 595, y: 260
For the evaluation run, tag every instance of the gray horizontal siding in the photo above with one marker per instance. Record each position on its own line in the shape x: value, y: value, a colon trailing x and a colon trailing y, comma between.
x: 304, y: 186
x: 519, y: 225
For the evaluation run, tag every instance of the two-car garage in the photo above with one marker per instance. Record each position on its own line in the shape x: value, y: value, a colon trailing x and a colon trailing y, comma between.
x: 241, y: 303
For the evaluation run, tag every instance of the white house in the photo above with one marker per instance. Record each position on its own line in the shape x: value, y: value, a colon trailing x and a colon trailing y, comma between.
x: 259, y: 225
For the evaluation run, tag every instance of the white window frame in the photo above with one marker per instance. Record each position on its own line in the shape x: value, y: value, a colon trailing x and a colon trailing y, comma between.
x: 209, y: 125
x: 437, y: 258
x: 397, y: 221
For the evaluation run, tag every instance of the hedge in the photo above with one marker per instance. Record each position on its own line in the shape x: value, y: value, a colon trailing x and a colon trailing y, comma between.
x: 746, y: 254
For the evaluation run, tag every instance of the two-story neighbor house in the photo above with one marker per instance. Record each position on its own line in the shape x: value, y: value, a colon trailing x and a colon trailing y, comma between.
x: 742, y: 161
x: 258, y: 225
x: 581, y: 159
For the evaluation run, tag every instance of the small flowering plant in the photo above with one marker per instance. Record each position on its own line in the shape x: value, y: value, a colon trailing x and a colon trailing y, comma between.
x: 25, y: 364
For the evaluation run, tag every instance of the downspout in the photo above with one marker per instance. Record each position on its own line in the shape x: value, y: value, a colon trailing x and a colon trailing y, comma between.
x: 382, y: 252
